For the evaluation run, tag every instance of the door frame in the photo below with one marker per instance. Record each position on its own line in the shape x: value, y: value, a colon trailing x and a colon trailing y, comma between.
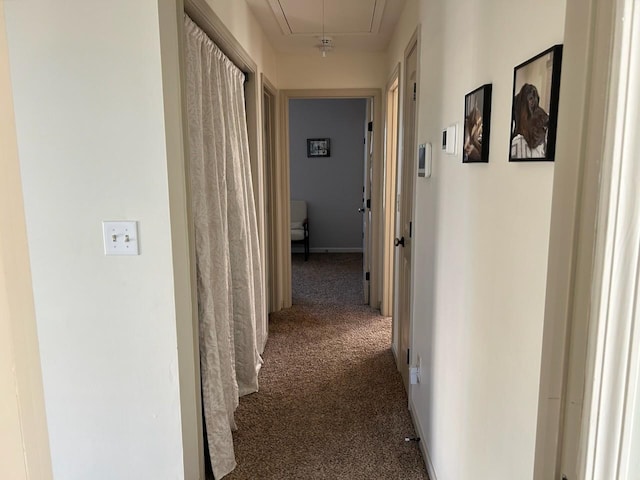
x: 390, y: 169
x: 609, y: 435
x: 284, y: 179
x: 587, y: 337
x: 367, y: 180
x: 273, y: 202
x: 414, y: 43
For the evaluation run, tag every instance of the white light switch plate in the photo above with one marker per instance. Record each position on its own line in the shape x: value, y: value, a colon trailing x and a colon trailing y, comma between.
x: 120, y: 238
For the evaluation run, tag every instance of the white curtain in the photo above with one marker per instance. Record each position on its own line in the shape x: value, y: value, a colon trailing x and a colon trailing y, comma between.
x: 230, y: 302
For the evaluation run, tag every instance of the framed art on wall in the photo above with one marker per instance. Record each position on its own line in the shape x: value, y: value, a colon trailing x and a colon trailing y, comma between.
x: 534, y: 117
x: 477, y: 125
x: 318, y: 147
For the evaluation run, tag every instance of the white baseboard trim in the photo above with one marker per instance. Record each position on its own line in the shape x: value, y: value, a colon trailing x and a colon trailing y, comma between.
x: 415, y: 418
x: 395, y: 353
x: 329, y: 250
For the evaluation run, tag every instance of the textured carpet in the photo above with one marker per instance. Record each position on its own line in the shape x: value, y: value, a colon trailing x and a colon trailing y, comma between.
x: 327, y: 278
x: 331, y: 403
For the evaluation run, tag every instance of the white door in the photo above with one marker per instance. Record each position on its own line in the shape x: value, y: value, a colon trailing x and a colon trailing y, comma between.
x: 365, y: 209
x: 405, y: 213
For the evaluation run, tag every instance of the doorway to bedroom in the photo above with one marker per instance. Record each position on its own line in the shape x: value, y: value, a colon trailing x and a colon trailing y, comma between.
x: 330, y: 169
x: 329, y: 191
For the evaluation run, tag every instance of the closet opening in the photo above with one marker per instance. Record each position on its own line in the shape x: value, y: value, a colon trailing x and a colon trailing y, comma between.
x: 231, y: 231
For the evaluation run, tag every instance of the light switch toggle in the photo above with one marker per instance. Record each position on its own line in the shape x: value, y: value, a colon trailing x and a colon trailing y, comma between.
x: 120, y: 237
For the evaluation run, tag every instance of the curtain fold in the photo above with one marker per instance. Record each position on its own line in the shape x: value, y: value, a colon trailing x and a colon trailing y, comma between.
x: 229, y: 269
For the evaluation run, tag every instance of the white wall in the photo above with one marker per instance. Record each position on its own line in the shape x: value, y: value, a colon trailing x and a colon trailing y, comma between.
x: 336, y: 70
x: 331, y: 186
x: 405, y: 28
x: 481, y: 244
x: 91, y: 135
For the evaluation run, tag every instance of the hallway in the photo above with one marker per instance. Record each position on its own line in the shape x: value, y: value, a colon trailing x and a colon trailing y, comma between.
x: 331, y: 403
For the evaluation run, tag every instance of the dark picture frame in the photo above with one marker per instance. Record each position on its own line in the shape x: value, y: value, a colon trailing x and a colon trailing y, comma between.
x: 318, y: 147
x: 477, y: 125
x: 534, y: 111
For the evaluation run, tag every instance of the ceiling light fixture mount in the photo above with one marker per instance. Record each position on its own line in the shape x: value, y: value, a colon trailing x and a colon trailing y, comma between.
x: 326, y: 43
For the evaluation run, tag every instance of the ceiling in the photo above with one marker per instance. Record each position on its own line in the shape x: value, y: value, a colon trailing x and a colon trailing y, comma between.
x: 295, y: 26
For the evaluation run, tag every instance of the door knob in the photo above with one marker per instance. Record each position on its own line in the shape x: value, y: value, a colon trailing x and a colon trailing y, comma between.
x: 361, y: 210
x: 399, y: 241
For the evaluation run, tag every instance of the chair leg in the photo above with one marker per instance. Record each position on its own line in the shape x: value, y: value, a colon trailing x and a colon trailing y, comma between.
x: 306, y: 249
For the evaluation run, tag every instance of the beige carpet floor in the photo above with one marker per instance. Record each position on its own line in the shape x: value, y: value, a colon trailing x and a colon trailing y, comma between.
x: 327, y: 278
x: 331, y: 403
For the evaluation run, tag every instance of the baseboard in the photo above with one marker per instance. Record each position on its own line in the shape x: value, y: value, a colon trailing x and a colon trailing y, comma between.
x: 395, y: 353
x: 329, y: 250
x: 415, y: 418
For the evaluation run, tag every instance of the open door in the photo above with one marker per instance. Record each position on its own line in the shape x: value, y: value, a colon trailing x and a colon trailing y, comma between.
x: 366, y: 202
x: 403, y: 241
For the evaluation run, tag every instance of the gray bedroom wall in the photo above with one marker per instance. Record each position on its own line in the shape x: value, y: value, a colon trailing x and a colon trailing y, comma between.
x: 332, y: 186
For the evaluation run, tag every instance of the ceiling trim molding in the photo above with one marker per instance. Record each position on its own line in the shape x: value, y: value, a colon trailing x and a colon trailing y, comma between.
x: 378, y: 10
x: 278, y: 12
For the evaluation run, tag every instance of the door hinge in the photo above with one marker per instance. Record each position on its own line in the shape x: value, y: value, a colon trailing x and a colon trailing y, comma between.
x: 368, y: 203
x: 370, y: 127
x: 366, y: 276
x: 410, y: 229
x: 408, y: 356
x: 414, y: 91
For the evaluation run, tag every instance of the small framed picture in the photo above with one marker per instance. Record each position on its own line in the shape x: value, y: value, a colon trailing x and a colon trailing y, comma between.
x: 477, y: 125
x: 534, y: 118
x: 318, y: 147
